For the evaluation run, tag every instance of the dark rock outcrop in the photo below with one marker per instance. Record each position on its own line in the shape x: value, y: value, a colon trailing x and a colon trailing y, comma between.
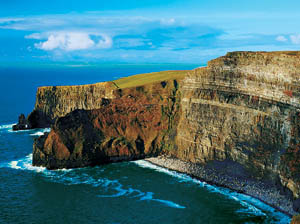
x: 22, y: 124
x: 296, y: 205
x: 38, y: 119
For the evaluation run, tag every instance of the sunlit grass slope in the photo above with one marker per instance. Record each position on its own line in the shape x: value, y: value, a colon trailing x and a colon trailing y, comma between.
x: 143, y: 79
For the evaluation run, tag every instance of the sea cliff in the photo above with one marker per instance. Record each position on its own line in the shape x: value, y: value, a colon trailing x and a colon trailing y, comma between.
x: 244, y: 107
x: 134, y: 124
x: 53, y: 102
x: 242, y: 110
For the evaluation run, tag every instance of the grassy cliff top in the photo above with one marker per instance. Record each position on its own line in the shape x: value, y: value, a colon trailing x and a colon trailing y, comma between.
x: 130, y: 81
x: 143, y: 79
x: 271, y: 53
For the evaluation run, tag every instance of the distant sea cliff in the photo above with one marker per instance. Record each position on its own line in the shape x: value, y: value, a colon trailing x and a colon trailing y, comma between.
x: 243, y: 107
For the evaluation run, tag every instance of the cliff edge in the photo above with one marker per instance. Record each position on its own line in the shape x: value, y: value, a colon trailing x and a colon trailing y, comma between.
x: 243, y: 108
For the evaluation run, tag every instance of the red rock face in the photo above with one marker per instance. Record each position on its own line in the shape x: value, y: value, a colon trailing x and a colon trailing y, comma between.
x: 296, y: 220
x: 136, y: 124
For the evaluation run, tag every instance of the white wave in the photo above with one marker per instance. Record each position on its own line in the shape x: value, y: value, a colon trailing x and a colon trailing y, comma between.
x: 250, y: 205
x: 46, y: 130
x: 118, y: 188
x: 6, y: 126
x: 25, y: 164
x: 134, y: 193
x: 39, y: 133
x: 18, y: 131
x: 14, y: 165
x: 63, y: 170
x: 251, y: 209
x: 149, y: 196
x: 169, y: 203
x: 111, y: 188
x: 181, y: 176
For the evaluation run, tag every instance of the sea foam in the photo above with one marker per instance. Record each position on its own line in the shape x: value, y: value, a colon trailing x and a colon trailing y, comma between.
x: 113, y: 188
x: 25, y: 164
x: 41, y: 132
x: 6, y: 127
x: 110, y: 188
x: 250, y: 205
x: 149, y: 196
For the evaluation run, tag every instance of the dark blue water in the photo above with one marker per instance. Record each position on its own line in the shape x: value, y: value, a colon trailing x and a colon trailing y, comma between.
x: 130, y: 192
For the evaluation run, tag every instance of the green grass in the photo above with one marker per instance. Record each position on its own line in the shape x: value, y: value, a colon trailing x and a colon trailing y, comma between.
x: 143, y: 79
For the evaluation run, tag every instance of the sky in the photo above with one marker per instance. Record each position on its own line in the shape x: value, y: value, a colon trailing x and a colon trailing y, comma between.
x: 143, y: 31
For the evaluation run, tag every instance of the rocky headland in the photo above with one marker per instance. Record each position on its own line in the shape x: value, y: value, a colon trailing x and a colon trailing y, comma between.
x: 240, y: 114
x: 136, y: 123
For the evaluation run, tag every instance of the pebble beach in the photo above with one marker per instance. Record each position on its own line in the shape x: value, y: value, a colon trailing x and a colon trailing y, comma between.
x: 265, y: 192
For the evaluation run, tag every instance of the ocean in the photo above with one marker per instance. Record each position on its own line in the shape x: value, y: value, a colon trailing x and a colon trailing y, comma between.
x: 128, y: 192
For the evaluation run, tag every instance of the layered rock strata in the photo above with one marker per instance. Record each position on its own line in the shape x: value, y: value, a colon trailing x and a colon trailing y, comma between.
x: 53, y: 102
x: 242, y: 108
x: 57, y: 101
x: 139, y: 122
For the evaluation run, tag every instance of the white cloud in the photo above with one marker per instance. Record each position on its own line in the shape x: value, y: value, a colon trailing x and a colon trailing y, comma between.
x: 105, y: 42
x: 168, y: 22
x: 295, y: 39
x: 70, y: 41
x: 36, y: 36
x: 281, y: 38
x: 164, y: 37
x: 9, y: 20
x: 66, y: 41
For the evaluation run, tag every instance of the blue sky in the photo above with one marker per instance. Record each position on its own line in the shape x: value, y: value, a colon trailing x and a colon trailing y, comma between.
x: 145, y: 31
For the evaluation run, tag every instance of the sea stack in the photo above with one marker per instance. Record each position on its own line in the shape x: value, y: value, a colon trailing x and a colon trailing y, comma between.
x: 22, y: 123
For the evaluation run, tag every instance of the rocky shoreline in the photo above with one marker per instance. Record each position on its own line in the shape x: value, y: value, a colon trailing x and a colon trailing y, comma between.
x: 265, y: 192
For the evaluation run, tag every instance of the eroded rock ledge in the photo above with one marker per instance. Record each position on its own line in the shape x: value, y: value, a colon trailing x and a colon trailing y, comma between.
x: 139, y: 122
x: 243, y: 107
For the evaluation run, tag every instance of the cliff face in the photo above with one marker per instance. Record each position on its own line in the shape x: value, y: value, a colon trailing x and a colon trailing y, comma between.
x: 243, y: 107
x: 53, y: 102
x: 136, y: 123
x: 57, y: 101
